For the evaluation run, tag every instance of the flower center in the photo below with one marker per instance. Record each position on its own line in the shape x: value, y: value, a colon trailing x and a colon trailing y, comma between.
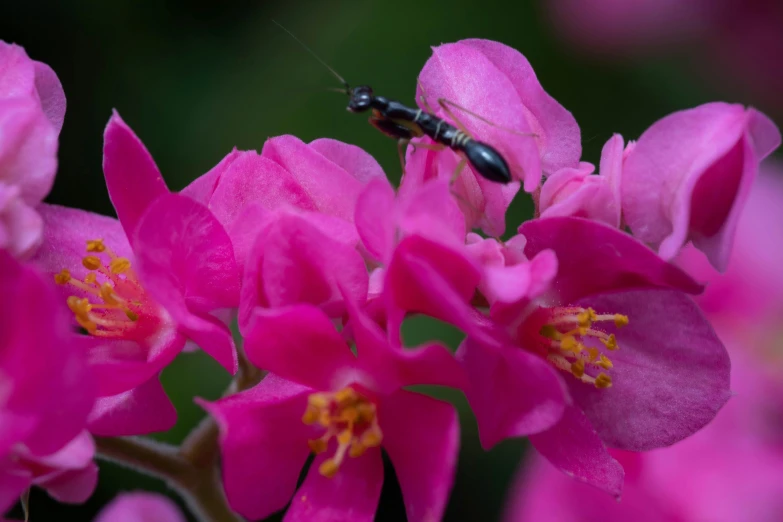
x: 116, y: 304
x: 348, y: 416
x: 563, y: 335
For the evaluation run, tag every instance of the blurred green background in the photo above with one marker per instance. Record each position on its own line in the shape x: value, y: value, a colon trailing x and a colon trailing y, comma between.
x: 195, y: 79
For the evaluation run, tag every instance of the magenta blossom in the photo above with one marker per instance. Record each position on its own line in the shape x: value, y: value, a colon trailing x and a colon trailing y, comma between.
x: 586, y: 357
x: 45, y: 384
x: 575, y: 192
x: 531, y: 130
x: 32, y: 107
x: 688, y: 177
x: 731, y: 471
x: 140, y: 507
x: 322, y: 398
x: 324, y: 176
x: 142, y: 285
x: 751, y: 290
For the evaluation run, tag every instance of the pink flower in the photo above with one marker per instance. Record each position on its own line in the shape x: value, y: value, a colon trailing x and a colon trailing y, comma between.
x: 140, y: 507
x: 148, y: 282
x: 497, y: 83
x: 731, y: 471
x: 32, y: 108
x: 575, y: 192
x: 324, y: 176
x: 593, y: 352
x: 751, y: 290
x: 322, y: 398
x: 45, y: 383
x: 689, y: 174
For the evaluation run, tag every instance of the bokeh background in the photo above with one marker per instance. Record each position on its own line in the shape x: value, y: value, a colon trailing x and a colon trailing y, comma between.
x: 196, y: 78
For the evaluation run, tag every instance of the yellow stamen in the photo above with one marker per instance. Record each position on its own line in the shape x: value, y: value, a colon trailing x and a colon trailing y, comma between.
x: 328, y: 468
x: 611, y: 342
x: 578, y: 368
x: 63, y: 277
x: 119, y: 265
x: 620, y: 320
x: 95, y: 245
x: 604, y: 362
x: 603, y: 381
x: 92, y: 262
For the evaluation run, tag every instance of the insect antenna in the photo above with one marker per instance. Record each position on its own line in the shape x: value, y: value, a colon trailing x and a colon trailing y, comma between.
x: 347, y: 89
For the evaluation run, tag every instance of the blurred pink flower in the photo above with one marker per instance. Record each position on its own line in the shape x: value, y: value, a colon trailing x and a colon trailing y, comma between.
x: 32, y: 108
x: 688, y: 176
x: 45, y: 383
x: 499, y: 84
x: 140, y: 507
x: 610, y: 296
x: 322, y: 398
x: 575, y: 192
x: 150, y: 281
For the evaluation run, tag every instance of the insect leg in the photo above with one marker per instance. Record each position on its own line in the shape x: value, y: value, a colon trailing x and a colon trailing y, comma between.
x: 444, y: 103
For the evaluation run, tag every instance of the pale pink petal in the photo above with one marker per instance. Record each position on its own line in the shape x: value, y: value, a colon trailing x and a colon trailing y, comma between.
x: 50, y: 94
x: 463, y: 74
x: 21, y: 228
x: 574, y: 447
x: 140, y: 507
x: 17, y: 71
x: 132, y: 178
x: 352, y: 494
x: 73, y: 486
x: 298, y: 343
x: 202, y: 188
x: 512, y: 392
x: 421, y: 436
x: 594, y: 258
x: 670, y: 374
x: 354, y: 160
x: 263, y: 444
x: 145, y: 409
x: 75, y: 454
x: 188, y: 267
x: 558, y: 136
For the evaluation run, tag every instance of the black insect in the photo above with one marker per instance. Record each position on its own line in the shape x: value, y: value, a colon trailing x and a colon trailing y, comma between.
x: 404, y: 123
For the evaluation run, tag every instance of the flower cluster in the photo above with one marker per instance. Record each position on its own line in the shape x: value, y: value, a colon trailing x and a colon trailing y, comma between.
x: 578, y: 334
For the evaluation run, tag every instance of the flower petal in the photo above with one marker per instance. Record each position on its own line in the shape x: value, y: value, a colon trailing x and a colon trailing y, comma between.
x: 140, y: 507
x: 263, y: 444
x: 188, y: 266
x: 513, y: 393
x: 612, y: 259
x: 355, y: 160
x: 374, y: 207
x: 573, y: 446
x: 421, y: 436
x: 352, y: 494
x: 73, y: 486
x: 51, y: 94
x: 202, y: 188
x: 145, y: 409
x: 670, y: 374
x: 464, y: 75
x: 132, y: 178
x: 298, y: 343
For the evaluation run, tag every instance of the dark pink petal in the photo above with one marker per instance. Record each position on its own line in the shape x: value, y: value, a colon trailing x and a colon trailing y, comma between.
x: 463, y: 74
x: 689, y: 175
x: 73, y: 486
x: 75, y: 454
x: 296, y: 259
x: 374, y: 218
x: 332, y: 187
x: 50, y: 94
x: 299, y: 343
x: 188, y: 266
x: 573, y: 446
x: 12, y: 484
x: 391, y: 367
x: 670, y: 374
x: 512, y: 392
x: 352, y: 494
x: 145, y: 409
x: 140, y: 507
x: 132, y: 178
x: 21, y: 228
x: 354, y: 160
x: 432, y: 279
x: 17, y: 71
x: 263, y: 444
x: 421, y: 436
x: 559, y: 140
x: 432, y: 212
x: 595, y: 258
